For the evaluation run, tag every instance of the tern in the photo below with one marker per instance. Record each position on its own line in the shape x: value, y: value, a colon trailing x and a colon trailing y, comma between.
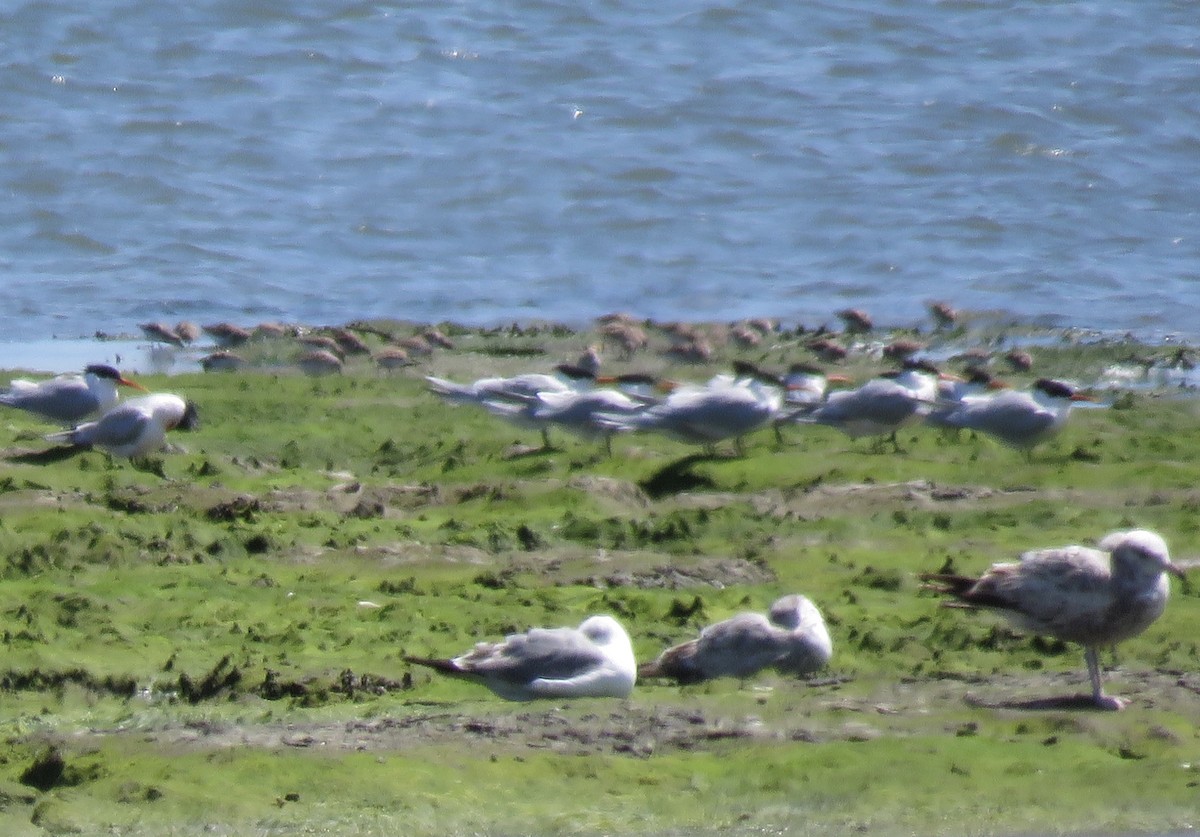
x: 515, y: 388
x: 1096, y: 597
x: 791, y: 638
x: 804, y: 386
x: 69, y: 399
x: 133, y: 428
x: 1021, y: 420
x: 726, y: 408
x: 593, y: 660
x: 881, y: 406
x: 518, y: 389
x: 579, y: 412
x: 953, y: 394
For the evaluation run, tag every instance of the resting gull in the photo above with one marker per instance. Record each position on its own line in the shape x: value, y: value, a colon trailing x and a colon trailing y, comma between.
x: 593, y: 660
x: 1096, y: 597
x: 792, y: 638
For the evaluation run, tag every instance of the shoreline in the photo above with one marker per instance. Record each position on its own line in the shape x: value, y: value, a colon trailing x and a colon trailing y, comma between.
x: 1135, y: 363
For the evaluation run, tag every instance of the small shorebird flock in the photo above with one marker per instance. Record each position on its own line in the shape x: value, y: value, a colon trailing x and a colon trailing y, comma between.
x: 1094, y: 596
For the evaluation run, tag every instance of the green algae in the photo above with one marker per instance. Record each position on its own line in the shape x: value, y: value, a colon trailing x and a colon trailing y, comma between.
x: 199, y: 637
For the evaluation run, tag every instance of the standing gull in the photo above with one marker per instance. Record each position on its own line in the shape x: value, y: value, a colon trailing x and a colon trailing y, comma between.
x: 593, y: 660
x: 1096, y: 597
x: 69, y: 399
x: 792, y: 638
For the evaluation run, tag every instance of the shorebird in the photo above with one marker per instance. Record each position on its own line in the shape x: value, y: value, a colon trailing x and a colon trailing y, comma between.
x: 188, y: 331
x: 135, y: 427
x: 944, y: 314
x: 593, y: 660
x: 856, y: 320
x: 628, y: 337
x: 319, y: 362
x: 222, y: 360
x: 227, y: 335
x: 160, y: 333
x: 391, y: 358
x: 349, y: 342
x: 1019, y: 359
x: 69, y: 399
x: 1096, y: 597
x: 1021, y: 420
x: 791, y: 638
x: 590, y: 359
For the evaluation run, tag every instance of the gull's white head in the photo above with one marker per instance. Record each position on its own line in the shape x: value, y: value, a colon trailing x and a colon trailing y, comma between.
x: 607, y: 633
x: 1141, y: 548
x: 795, y: 611
x: 604, y: 630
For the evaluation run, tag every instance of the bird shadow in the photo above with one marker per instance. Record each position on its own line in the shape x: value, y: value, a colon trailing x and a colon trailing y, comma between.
x: 1073, y: 703
x: 519, y: 451
x: 60, y: 453
x: 677, y: 476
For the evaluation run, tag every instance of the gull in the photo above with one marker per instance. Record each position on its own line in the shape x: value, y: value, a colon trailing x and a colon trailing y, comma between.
x: 725, y: 408
x: 69, y: 399
x: 881, y: 406
x: 1096, y: 597
x: 1021, y: 420
x: 593, y: 660
x: 791, y: 638
x: 135, y: 427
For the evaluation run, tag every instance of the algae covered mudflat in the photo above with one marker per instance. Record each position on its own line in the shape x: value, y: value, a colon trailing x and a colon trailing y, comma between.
x: 211, y: 640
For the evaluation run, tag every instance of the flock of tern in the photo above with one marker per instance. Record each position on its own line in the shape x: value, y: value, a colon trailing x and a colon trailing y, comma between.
x: 731, y: 406
x: 129, y: 429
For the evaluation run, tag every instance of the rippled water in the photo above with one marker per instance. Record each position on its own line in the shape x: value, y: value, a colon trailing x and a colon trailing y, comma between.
x: 319, y: 162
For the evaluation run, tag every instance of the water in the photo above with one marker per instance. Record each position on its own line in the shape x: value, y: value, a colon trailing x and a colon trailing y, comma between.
x: 320, y: 162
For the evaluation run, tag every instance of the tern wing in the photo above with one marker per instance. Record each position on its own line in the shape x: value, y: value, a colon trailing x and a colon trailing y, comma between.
x: 66, y: 400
